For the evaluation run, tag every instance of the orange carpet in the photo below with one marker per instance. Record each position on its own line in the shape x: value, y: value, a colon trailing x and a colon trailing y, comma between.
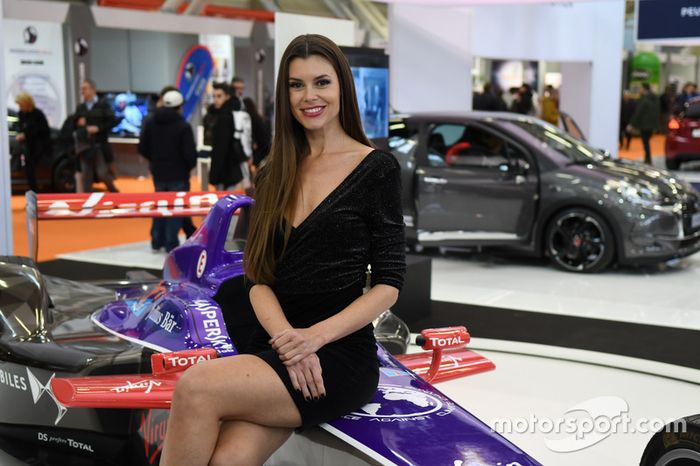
x: 636, y: 150
x: 61, y: 236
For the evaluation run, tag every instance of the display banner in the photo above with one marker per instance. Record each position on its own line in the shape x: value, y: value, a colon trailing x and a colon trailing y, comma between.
x: 192, y: 78
x: 668, y: 19
x: 221, y: 48
x: 34, y: 63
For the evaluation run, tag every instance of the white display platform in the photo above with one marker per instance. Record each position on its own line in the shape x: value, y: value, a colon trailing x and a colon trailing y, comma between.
x: 527, y: 385
x: 667, y: 296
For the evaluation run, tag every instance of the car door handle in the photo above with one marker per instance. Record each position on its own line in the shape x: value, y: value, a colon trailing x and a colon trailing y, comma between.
x: 434, y: 180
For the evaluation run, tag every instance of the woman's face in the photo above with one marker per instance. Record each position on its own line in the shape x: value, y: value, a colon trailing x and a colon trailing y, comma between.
x: 314, y: 92
x: 24, y: 107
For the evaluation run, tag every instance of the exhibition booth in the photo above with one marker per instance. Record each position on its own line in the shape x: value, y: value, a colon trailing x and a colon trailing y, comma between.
x: 573, y: 271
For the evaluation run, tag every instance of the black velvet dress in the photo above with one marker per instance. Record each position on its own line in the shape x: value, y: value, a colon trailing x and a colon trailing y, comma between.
x: 323, y: 270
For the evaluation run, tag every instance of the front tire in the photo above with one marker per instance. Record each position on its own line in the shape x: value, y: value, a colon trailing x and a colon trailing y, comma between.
x: 671, y: 448
x: 579, y: 240
x: 672, y: 164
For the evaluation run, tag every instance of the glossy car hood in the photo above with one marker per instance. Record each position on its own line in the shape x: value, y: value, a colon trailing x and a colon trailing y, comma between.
x: 638, y: 173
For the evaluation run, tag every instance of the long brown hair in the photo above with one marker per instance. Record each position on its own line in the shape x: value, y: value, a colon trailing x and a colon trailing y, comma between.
x: 278, y: 180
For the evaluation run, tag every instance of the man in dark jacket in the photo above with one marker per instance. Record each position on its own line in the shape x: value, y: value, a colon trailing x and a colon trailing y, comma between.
x: 646, y: 118
x: 226, y: 152
x: 488, y: 100
x: 94, y: 120
x: 168, y: 143
x: 627, y: 107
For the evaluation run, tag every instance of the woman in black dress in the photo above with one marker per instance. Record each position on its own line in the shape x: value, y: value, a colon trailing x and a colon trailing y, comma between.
x: 327, y: 206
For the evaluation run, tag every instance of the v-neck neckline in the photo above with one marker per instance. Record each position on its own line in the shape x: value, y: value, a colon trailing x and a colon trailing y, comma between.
x: 333, y: 191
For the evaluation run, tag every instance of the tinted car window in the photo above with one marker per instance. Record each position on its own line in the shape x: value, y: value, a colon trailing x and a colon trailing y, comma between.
x: 456, y: 145
x: 693, y: 110
x: 402, y: 139
x: 574, y: 149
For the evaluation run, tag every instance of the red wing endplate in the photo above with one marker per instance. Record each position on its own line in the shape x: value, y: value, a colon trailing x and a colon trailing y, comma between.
x: 144, y: 391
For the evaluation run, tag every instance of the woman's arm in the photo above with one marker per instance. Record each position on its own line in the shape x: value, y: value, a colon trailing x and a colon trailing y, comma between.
x: 268, y: 309
x: 305, y: 373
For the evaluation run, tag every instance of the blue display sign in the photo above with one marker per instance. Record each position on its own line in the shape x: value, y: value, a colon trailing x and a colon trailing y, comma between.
x: 668, y: 19
x: 192, y: 78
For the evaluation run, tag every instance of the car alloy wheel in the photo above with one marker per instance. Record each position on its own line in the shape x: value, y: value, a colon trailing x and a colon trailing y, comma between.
x: 579, y: 240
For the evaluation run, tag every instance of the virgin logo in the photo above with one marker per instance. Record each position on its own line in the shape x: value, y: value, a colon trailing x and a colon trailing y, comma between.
x: 152, y: 430
x: 145, y: 385
x: 104, y: 205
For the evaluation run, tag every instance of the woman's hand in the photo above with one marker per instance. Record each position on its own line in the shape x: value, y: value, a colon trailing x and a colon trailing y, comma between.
x: 306, y: 377
x: 295, y: 344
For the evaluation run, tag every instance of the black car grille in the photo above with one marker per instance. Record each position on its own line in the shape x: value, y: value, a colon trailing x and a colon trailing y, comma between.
x: 691, y: 208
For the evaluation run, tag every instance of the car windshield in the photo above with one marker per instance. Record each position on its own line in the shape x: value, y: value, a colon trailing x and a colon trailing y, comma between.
x: 693, y: 109
x: 574, y: 149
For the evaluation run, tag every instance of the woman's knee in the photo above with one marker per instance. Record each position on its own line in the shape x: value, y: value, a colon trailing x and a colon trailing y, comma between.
x: 236, y: 455
x: 191, y: 389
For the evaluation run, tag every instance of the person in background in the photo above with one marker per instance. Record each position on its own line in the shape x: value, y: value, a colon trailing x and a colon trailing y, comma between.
x: 168, y: 144
x: 689, y: 91
x: 188, y: 226
x: 34, y: 133
x: 523, y: 101
x: 666, y: 102
x: 627, y: 108
x: 227, y: 153
x: 94, y: 120
x: 261, y: 135
x: 488, y: 100
x: 550, y: 105
x: 238, y: 86
x: 646, y: 118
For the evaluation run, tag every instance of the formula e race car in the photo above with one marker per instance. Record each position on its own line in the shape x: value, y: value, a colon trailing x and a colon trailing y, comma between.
x: 88, y: 371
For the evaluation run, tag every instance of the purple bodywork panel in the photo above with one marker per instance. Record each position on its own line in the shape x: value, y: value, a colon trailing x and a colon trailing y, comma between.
x: 180, y: 313
x: 408, y: 422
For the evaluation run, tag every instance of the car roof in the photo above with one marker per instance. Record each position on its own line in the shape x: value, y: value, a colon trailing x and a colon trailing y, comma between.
x: 460, y: 116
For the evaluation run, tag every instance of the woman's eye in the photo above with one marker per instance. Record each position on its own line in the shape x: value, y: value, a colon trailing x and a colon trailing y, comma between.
x: 295, y: 85
x: 323, y: 82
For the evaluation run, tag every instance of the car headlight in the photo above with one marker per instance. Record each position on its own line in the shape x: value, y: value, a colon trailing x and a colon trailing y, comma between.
x: 645, y: 195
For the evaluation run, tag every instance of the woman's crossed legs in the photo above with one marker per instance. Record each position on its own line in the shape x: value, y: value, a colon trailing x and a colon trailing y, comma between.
x: 233, y: 411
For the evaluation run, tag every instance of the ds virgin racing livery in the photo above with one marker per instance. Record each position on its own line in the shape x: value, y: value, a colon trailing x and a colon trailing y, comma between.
x: 71, y: 356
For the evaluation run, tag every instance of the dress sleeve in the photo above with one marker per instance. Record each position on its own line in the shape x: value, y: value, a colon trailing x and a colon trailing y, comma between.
x: 387, y: 236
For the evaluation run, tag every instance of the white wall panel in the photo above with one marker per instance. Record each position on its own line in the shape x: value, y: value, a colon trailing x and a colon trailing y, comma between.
x: 577, y: 76
x: 288, y: 26
x: 430, y: 59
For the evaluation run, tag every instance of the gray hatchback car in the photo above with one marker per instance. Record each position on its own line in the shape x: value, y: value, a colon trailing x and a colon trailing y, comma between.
x: 500, y: 179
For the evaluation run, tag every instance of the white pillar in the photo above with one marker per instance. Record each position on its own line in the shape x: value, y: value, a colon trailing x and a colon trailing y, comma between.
x: 575, y: 77
x: 430, y: 59
x: 5, y: 182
